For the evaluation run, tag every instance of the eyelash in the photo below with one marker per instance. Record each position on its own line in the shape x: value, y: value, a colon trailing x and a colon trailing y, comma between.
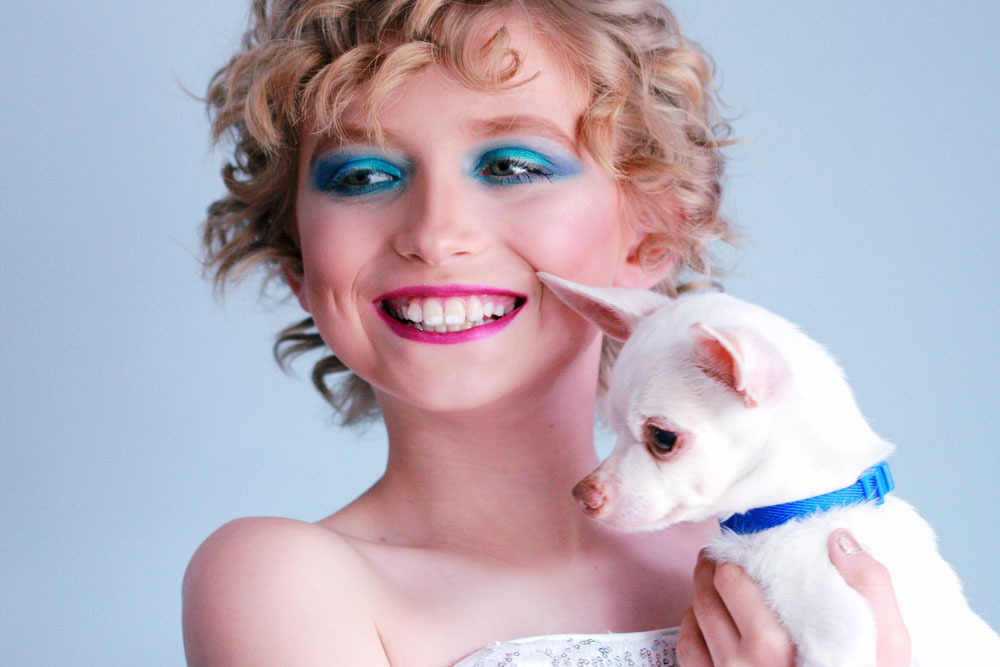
x: 533, y: 166
x: 333, y: 178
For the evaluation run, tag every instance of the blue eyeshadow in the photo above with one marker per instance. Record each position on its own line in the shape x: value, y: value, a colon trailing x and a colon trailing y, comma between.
x: 524, y: 163
x: 353, y: 173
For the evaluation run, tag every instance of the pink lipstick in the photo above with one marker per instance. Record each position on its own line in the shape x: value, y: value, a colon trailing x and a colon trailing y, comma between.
x: 446, y: 314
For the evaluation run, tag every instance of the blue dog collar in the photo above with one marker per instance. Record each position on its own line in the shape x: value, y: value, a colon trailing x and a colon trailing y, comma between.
x: 873, y: 484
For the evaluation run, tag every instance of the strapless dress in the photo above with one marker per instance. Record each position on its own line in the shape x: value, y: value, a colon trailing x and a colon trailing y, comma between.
x: 653, y: 648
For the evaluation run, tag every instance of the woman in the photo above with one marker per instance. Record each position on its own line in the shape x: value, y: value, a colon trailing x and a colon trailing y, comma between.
x: 406, y: 168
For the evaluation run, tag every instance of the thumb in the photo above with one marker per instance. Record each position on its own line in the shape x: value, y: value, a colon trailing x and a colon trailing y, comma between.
x: 871, y: 579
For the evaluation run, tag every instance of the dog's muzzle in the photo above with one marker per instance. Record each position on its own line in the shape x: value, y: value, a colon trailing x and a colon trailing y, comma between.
x: 590, y: 496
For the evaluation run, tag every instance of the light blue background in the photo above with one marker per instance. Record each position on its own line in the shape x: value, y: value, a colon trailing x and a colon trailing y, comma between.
x: 138, y: 414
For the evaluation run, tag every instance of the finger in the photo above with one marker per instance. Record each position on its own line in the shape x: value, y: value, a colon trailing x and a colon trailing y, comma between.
x: 871, y: 579
x: 742, y: 598
x: 717, y: 626
x: 692, y: 651
x: 762, y: 635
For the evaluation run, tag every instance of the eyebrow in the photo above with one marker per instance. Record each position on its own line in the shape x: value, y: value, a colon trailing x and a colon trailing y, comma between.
x: 478, y: 128
x: 346, y: 135
x: 515, y: 123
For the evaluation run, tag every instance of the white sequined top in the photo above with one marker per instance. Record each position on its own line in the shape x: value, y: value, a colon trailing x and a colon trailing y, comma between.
x: 654, y: 648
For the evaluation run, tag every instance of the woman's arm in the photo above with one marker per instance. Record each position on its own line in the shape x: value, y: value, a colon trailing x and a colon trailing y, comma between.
x: 267, y: 591
x: 730, y: 623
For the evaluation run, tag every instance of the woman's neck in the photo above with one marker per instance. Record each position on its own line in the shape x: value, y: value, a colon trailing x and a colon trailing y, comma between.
x: 496, y: 481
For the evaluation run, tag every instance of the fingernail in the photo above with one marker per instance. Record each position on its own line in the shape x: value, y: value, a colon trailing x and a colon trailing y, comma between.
x: 847, y: 544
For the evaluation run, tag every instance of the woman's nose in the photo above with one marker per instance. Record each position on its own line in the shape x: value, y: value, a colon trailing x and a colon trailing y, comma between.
x: 440, y: 223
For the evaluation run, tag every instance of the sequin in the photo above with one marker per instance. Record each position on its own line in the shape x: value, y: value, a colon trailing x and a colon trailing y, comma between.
x: 654, y: 648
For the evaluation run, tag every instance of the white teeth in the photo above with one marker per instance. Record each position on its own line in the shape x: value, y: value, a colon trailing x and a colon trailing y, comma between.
x: 454, y: 311
x: 474, y: 309
x: 449, y: 314
x: 414, y: 313
x: 433, y: 313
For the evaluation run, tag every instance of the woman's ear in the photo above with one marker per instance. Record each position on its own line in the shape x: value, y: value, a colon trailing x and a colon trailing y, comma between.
x: 640, y: 268
x: 633, y: 272
x: 293, y: 276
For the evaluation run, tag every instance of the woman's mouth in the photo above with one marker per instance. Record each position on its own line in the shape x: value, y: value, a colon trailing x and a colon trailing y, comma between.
x: 448, y: 313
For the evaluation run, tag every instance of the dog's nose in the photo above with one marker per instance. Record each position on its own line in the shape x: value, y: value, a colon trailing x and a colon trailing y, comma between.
x: 587, y: 494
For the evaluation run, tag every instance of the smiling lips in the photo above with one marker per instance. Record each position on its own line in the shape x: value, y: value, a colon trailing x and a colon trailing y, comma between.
x: 448, y: 314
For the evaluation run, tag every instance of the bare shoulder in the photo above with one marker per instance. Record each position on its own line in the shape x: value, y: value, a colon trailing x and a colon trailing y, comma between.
x: 279, y: 591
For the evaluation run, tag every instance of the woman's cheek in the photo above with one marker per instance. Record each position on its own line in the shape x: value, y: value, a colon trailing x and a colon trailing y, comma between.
x: 576, y: 235
x: 335, y: 238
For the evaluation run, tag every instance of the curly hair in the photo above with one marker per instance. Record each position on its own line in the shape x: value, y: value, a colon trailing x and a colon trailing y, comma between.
x: 651, y: 123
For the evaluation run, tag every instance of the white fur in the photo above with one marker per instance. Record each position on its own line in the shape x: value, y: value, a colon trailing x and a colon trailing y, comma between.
x: 765, y: 416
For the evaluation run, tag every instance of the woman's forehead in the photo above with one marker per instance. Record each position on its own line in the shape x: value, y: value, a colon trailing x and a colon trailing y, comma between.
x: 546, y: 90
x: 543, y: 100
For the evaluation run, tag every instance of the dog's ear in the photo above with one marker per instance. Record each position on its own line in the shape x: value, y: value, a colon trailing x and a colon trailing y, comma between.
x: 615, y: 310
x: 740, y: 360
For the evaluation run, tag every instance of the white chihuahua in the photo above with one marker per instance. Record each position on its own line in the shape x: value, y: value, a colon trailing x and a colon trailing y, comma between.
x: 723, y: 409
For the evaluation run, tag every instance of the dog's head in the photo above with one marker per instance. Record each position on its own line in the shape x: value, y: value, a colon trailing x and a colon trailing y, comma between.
x: 691, y: 399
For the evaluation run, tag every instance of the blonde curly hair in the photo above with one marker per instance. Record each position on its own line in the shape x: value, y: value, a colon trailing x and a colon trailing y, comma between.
x: 651, y: 122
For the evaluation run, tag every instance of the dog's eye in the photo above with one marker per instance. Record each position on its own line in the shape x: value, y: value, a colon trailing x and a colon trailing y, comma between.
x: 661, y: 440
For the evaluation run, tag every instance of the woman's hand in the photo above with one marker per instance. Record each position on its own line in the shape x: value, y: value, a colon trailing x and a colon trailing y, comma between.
x: 729, y: 623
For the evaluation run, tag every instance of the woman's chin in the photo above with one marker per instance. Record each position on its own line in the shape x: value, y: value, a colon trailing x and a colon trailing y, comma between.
x: 442, y: 395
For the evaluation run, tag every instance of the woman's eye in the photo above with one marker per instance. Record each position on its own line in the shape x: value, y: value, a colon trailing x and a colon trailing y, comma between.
x: 661, y: 440
x: 510, y: 166
x: 359, y: 178
x: 355, y: 177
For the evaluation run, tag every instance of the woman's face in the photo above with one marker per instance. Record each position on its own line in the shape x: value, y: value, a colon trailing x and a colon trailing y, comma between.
x: 474, y: 194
